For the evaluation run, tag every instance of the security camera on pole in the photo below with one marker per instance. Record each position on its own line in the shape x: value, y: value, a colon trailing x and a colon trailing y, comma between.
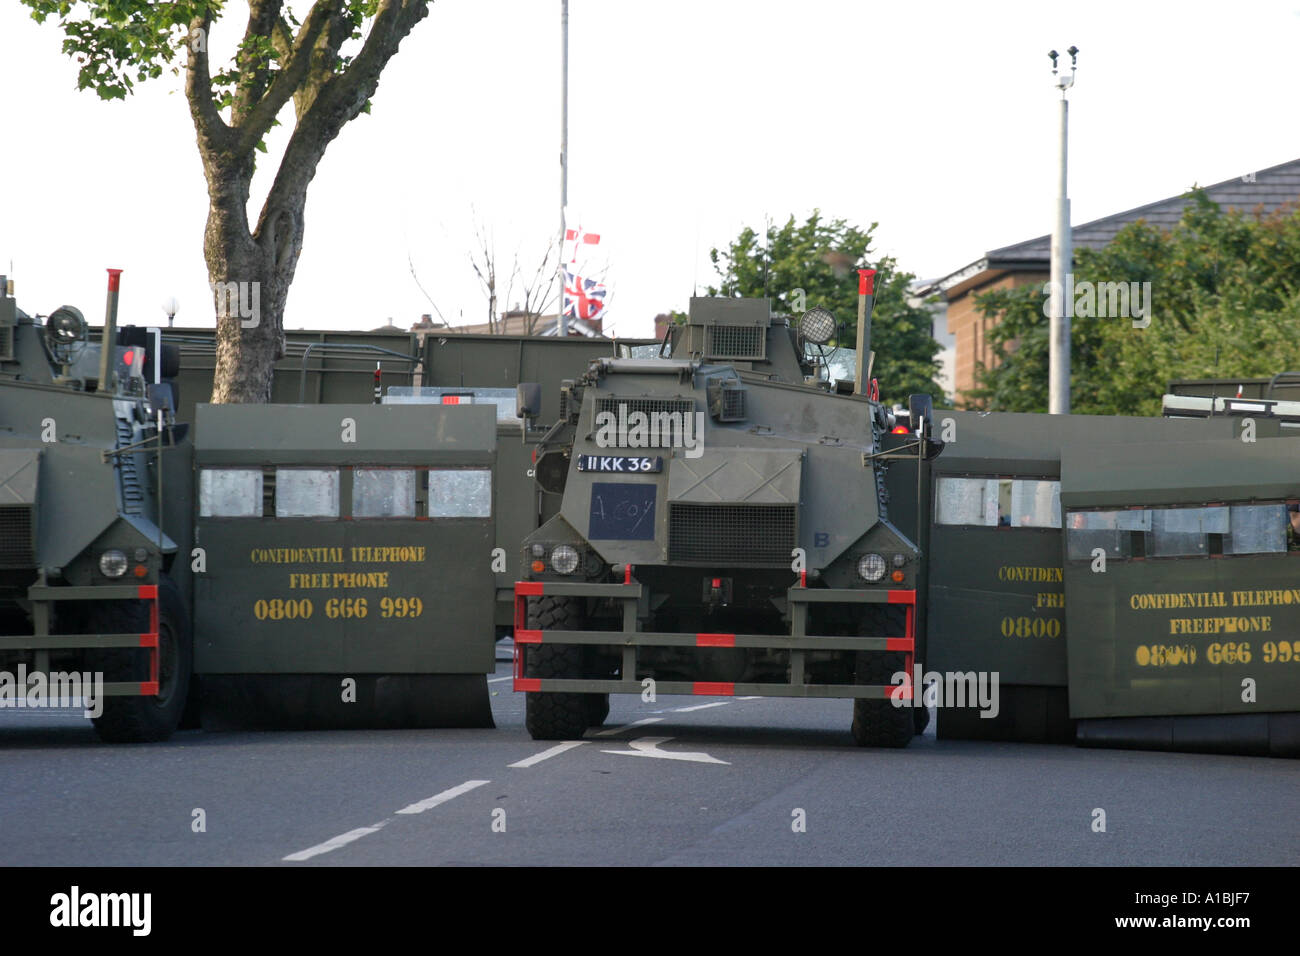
x: 1058, y: 387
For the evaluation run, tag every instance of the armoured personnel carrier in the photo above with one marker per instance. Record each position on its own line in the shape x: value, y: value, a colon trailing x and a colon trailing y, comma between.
x: 94, y: 506
x: 724, y: 530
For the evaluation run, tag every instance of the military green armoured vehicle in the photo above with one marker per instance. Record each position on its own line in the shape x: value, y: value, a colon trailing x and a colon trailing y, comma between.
x: 94, y: 506
x: 723, y: 529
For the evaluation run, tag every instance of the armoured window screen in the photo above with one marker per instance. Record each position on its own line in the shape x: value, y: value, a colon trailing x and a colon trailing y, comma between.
x: 1109, y: 530
x: 460, y: 493
x: 383, y: 493
x: 734, y: 341
x: 967, y: 501
x: 1256, y: 529
x: 740, y: 535
x: 230, y: 493
x: 1035, y: 504
x: 1183, y: 532
x: 306, y: 492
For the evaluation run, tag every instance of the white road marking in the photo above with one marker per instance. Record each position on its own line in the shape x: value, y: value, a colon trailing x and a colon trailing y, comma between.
x: 497, y: 680
x: 687, y: 710
x: 548, y: 754
x: 636, y: 723
x: 443, y: 797
x: 649, y: 747
x: 333, y: 843
x: 749, y: 698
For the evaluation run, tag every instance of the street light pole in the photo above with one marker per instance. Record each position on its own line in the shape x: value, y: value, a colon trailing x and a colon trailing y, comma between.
x: 564, y: 155
x: 1062, y: 284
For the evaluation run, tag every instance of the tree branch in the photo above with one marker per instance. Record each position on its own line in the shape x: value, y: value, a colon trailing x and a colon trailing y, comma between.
x: 254, y: 69
x: 295, y: 66
x: 214, y: 134
x: 340, y: 99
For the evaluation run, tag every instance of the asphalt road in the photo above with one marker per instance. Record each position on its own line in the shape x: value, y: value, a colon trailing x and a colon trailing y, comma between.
x: 699, y: 781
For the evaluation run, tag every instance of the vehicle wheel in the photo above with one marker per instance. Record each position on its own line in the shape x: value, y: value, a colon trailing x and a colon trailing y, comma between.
x: 143, y: 719
x: 548, y: 715
x: 597, y: 709
x: 878, y: 723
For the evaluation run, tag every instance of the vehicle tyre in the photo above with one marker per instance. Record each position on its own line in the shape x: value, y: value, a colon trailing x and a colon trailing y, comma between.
x: 877, y: 722
x: 597, y: 709
x: 143, y: 719
x: 549, y: 715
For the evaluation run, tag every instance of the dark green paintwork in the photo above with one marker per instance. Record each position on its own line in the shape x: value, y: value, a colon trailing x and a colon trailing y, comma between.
x: 1114, y: 669
x: 453, y: 633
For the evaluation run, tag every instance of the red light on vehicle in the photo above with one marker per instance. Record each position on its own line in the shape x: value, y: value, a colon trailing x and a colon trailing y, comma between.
x: 451, y: 399
x: 717, y: 582
x: 899, y: 430
x: 129, y: 357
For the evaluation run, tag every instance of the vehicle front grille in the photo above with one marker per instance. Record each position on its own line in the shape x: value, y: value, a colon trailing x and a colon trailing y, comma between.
x: 733, y: 405
x: 661, y: 431
x: 734, y: 342
x: 735, y: 535
x: 17, y: 541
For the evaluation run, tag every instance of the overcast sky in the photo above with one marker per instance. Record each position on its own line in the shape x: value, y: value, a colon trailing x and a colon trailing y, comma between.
x: 687, y: 121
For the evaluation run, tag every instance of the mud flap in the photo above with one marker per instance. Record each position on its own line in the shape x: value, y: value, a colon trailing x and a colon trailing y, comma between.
x: 1259, y: 735
x: 315, y: 701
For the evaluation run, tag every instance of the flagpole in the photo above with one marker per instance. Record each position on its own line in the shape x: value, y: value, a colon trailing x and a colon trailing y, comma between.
x: 564, y: 155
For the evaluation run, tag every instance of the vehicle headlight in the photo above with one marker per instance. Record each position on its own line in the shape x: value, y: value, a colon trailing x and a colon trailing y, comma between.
x: 112, y: 563
x: 871, y: 567
x: 817, y: 326
x: 564, y: 559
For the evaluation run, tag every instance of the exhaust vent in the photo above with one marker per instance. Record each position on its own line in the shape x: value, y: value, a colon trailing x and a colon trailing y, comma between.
x: 735, y: 342
x: 727, y: 401
x: 753, y: 536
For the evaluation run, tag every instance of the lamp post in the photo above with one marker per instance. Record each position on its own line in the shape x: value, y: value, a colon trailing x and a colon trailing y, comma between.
x: 1058, y: 378
x: 170, y: 306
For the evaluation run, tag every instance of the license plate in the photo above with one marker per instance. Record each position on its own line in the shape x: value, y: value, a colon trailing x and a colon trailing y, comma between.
x: 620, y: 464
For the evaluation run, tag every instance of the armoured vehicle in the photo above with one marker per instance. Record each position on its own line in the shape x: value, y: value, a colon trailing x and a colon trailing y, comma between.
x: 94, y: 505
x: 277, y: 569
x: 723, y: 529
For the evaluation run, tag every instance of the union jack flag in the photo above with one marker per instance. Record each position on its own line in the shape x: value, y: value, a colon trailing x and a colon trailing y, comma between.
x: 583, y: 298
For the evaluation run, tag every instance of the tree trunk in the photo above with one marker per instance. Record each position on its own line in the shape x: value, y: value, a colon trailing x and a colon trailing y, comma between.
x: 250, y: 278
x: 250, y: 271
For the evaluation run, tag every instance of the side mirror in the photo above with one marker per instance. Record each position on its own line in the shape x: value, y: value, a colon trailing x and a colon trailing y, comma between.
x: 160, y: 397
x: 528, y: 399
x: 920, y: 411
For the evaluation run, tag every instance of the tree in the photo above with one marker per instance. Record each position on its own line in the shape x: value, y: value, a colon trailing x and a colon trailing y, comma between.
x: 280, y: 59
x: 537, y: 286
x: 1222, y: 301
x: 813, y: 264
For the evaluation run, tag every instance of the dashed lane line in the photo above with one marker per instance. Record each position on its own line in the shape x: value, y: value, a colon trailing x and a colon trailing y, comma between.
x: 443, y: 797
x: 333, y: 843
x: 343, y: 839
x: 547, y: 754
